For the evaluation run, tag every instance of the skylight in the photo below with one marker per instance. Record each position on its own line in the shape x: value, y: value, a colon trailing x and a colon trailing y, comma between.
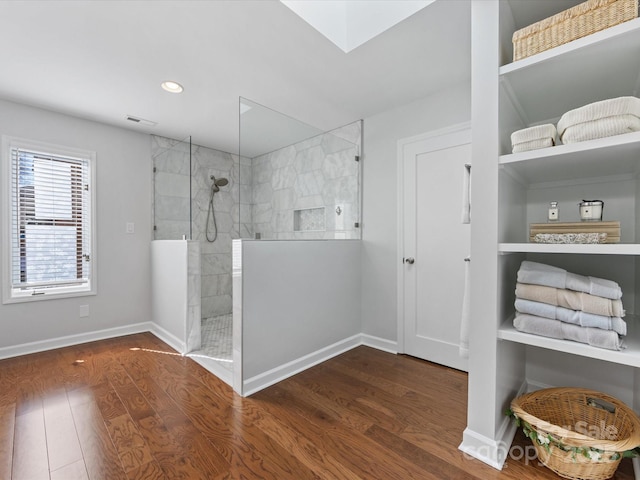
x: 349, y: 23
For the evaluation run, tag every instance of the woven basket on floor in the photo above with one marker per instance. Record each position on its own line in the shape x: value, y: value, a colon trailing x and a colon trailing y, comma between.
x: 602, y: 422
x: 577, y: 22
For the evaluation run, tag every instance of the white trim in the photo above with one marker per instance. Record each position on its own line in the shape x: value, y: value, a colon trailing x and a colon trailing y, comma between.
x: 167, y: 337
x: 533, y: 386
x: 213, y: 366
x: 70, y: 340
x: 378, y: 343
x: 452, y: 136
x: 492, y: 452
x: 440, y: 137
x: 635, y: 461
x: 251, y: 386
x: 5, y: 216
x: 277, y: 374
x: 9, y: 142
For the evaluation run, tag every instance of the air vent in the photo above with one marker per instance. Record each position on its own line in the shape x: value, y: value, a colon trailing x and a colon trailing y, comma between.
x: 141, y: 121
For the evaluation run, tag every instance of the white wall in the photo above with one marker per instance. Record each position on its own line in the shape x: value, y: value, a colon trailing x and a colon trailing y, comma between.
x: 380, y: 205
x: 175, y: 293
x: 123, y: 195
x: 299, y: 298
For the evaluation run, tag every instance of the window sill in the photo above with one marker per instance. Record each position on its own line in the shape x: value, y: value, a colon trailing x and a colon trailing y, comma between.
x: 53, y: 294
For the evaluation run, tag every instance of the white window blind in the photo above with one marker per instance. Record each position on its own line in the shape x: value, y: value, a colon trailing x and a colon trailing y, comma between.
x: 50, y: 232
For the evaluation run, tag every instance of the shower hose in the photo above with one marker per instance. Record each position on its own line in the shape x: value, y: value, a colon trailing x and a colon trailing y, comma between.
x: 211, y: 215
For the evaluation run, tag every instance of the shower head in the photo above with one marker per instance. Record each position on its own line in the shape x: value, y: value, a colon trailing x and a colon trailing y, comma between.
x: 219, y: 182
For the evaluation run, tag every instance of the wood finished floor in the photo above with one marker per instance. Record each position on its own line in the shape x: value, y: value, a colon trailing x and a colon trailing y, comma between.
x: 130, y: 408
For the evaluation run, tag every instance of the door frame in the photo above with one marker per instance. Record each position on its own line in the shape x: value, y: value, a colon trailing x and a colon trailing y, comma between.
x: 448, y: 137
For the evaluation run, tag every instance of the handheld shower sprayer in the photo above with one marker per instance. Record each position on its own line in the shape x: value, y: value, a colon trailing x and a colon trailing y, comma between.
x: 211, y: 214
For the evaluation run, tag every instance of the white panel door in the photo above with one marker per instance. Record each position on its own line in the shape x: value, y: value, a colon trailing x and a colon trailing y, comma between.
x: 435, y: 244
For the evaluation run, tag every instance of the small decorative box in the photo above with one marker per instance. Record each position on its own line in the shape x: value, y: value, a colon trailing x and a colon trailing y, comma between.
x: 546, y: 232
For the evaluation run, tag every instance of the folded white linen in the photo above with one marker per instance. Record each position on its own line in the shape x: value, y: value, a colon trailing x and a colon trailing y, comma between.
x: 565, y: 331
x: 610, y: 108
x: 574, y: 317
x: 572, y: 300
x: 533, y: 145
x: 603, y: 127
x: 549, y: 276
x: 537, y: 132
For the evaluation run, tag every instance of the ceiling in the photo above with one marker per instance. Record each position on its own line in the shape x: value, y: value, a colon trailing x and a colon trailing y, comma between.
x: 105, y: 60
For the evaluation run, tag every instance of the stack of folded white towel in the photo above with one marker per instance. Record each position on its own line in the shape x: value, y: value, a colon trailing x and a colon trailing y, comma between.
x: 555, y: 303
x: 605, y: 118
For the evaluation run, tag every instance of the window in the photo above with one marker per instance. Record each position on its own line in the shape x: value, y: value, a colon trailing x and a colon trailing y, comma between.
x: 48, y: 221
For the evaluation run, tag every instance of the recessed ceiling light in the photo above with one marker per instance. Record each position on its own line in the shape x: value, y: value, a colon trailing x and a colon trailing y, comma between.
x: 172, y: 87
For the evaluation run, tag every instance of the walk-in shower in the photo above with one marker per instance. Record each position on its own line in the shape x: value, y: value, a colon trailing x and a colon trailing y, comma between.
x: 289, y: 181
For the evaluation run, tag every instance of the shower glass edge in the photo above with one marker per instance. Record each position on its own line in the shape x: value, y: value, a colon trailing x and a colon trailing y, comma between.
x: 172, y: 202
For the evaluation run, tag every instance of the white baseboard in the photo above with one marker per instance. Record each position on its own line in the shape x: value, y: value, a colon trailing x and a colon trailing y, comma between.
x: 250, y: 386
x: 492, y: 452
x: 214, y: 367
x: 275, y: 375
x: 167, y: 337
x: 533, y: 385
x: 380, y: 343
x: 67, y: 341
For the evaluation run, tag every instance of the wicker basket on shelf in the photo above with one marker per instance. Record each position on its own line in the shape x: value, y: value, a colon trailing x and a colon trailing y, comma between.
x: 577, y: 22
x: 577, y: 433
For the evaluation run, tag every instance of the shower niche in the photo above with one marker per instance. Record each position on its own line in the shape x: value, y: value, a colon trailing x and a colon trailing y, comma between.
x: 309, y: 220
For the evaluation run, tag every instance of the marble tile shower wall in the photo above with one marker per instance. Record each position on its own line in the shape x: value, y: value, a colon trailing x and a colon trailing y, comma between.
x: 216, y: 256
x: 309, y: 190
x: 171, y: 188
x: 298, y: 186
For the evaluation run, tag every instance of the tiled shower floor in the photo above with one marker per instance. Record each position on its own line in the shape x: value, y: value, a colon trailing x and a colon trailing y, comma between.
x: 216, y: 340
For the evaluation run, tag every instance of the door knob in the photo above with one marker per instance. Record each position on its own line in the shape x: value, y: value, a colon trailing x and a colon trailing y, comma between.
x: 410, y: 260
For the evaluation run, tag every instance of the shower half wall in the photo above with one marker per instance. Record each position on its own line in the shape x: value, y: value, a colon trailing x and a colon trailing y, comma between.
x: 181, y: 205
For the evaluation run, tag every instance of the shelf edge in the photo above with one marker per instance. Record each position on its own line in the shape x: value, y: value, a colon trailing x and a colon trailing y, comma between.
x: 573, y: 148
x: 578, y: 44
x: 625, y: 357
x: 595, y: 249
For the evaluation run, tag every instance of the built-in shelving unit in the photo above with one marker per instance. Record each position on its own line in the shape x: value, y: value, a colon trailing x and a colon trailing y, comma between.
x: 512, y: 191
x: 539, y: 89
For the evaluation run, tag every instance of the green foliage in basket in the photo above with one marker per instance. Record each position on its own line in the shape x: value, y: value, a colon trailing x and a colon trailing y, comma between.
x: 548, y: 441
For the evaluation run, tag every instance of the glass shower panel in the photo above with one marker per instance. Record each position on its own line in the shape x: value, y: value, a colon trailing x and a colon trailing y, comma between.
x: 172, y: 189
x: 300, y: 182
